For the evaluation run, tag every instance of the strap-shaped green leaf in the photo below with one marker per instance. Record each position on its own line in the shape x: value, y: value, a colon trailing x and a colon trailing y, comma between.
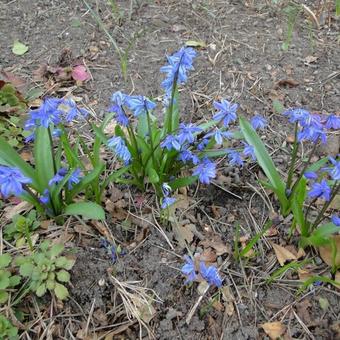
x: 86, y: 209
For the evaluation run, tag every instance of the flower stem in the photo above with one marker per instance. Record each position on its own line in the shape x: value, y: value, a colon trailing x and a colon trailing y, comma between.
x: 52, y: 150
x: 293, y: 159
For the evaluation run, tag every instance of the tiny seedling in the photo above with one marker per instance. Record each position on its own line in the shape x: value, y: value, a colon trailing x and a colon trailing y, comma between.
x: 47, y: 270
x: 7, y: 280
x: 7, y: 330
x: 21, y: 228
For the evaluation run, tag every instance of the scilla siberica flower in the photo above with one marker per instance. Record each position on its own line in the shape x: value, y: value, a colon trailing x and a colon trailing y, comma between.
x: 186, y: 133
x: 187, y: 156
x: 118, y: 100
x: 139, y: 104
x: 58, y: 177
x: 166, y: 200
x: 336, y: 220
x: 320, y: 190
x: 189, y: 269
x: 179, y: 63
x: 235, y: 158
x: 219, y: 135
x: 73, y: 111
x: 258, y: 122
x: 226, y: 112
x: 118, y: 145
x: 205, y: 171
x: 310, y: 175
x: 334, y: 171
x: 332, y: 122
x: 249, y: 151
x: 171, y: 142
x: 211, y: 275
x: 74, y: 178
x: 45, y: 197
x: 11, y: 181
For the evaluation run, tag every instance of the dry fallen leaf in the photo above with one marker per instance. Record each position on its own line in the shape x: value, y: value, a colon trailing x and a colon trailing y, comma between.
x: 228, y: 299
x: 282, y: 254
x: 326, y: 252
x: 184, y: 234
x: 215, y: 241
x: 274, y: 329
x: 13, y: 210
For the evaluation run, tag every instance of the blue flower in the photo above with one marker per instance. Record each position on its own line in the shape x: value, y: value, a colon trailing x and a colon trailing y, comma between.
x: 235, y: 158
x: 186, y: 133
x: 320, y: 190
x: 48, y: 113
x: 178, y: 65
x: 312, y: 133
x: 189, y: 269
x: 249, y: 151
x: 74, y: 178
x: 336, y: 220
x: 170, y: 143
x: 226, y: 112
x: 202, y: 145
x: 258, y: 122
x: 58, y: 177
x: 45, y: 197
x: 118, y: 100
x: 167, y: 201
x: 139, y: 104
x: 334, y: 171
x: 297, y: 115
x: 310, y: 175
x: 332, y: 122
x: 188, y: 156
x: 211, y: 275
x: 219, y: 135
x: 11, y: 181
x: 205, y: 171
x: 118, y: 145
x: 73, y: 110
x: 166, y: 188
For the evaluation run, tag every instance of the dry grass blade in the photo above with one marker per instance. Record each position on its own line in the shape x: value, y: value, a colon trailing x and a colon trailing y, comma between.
x: 137, y: 301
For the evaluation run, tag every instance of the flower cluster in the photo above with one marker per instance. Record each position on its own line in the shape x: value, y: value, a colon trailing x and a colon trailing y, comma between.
x: 167, y: 200
x: 200, y: 271
x: 312, y: 127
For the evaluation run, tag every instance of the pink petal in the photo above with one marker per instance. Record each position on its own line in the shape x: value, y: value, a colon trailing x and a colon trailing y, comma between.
x: 80, y: 73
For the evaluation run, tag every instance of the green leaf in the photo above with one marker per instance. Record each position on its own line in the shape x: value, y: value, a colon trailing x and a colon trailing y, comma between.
x: 337, y: 7
x: 19, y: 48
x: 43, y: 156
x: 4, y: 279
x: 142, y: 128
x: 277, y: 106
x: 182, y: 182
x: 320, y: 236
x: 50, y: 284
x: 5, y: 260
x: 14, y: 280
x: 152, y: 175
x: 3, y: 296
x: 63, y: 276
x: 56, y: 250
x: 265, y: 161
x: 86, y: 209
x: 26, y: 269
x: 64, y: 262
x: 41, y: 290
x: 60, y: 291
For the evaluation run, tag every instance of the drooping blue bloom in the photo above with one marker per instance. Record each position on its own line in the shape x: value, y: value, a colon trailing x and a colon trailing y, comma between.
x: 45, y: 197
x: 258, y: 122
x: 187, y: 156
x: 249, y: 151
x: 226, y: 112
x: 189, y: 269
x: 211, y: 275
x: 334, y: 170
x: 139, y: 104
x: 166, y: 188
x: 11, y: 181
x: 48, y: 113
x: 74, y: 178
x: 171, y: 142
x: 58, y: 177
x: 320, y: 190
x: 205, y: 171
x: 178, y: 65
x: 336, y: 220
x: 167, y: 201
x: 73, y: 110
x: 118, y: 99
x: 313, y: 134
x: 118, y: 145
x: 186, y: 133
x: 219, y: 135
x: 297, y: 115
x: 310, y: 175
x: 235, y: 158
x: 332, y: 122
x: 202, y: 145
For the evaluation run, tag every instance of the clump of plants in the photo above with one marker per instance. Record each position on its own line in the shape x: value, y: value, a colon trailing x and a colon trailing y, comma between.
x: 46, y: 270
x: 7, y: 330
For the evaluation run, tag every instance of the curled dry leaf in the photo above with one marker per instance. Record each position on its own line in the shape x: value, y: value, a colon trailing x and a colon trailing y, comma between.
x: 282, y: 254
x: 326, y: 252
x: 274, y: 329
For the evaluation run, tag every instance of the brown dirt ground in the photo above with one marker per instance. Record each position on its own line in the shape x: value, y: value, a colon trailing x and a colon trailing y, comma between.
x: 243, y: 61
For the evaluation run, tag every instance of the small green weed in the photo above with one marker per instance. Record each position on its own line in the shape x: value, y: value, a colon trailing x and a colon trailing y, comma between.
x: 7, y: 330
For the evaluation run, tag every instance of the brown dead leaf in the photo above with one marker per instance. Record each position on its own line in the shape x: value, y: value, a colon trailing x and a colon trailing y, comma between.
x: 302, y: 311
x: 215, y: 241
x: 209, y: 255
x: 100, y: 316
x: 13, y: 210
x: 184, y: 234
x: 82, y: 229
x: 228, y: 299
x: 18, y: 82
x: 282, y: 254
x: 326, y: 252
x: 45, y: 224
x: 100, y: 227
x: 287, y: 82
x: 310, y: 59
x: 274, y: 329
